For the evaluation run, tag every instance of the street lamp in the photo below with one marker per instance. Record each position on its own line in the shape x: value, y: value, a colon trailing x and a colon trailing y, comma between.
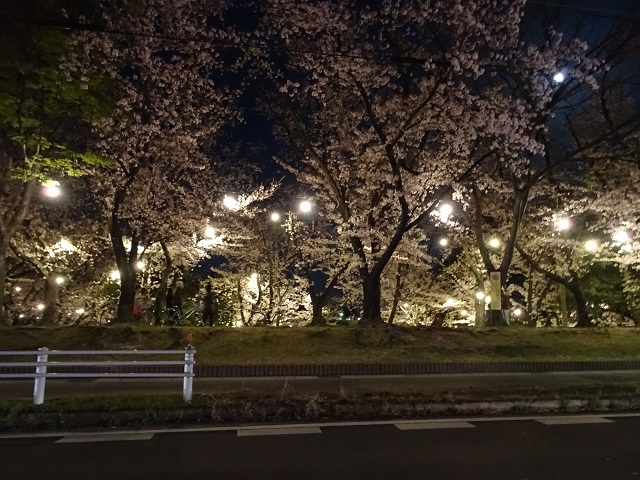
x: 559, y: 77
x: 621, y: 236
x: 563, y: 224
x: 140, y: 265
x: 59, y: 280
x: 305, y: 206
x: 51, y: 189
x: 445, y: 210
x: 494, y: 242
x: 275, y: 217
x: 479, y: 295
x: 231, y: 203
x: 443, y: 242
x: 591, y: 245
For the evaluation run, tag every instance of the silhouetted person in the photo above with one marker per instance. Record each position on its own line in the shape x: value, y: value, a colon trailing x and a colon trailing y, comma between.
x: 177, y: 303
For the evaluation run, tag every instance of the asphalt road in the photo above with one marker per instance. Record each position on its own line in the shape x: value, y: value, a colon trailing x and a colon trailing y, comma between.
x: 539, y: 448
x: 23, y: 389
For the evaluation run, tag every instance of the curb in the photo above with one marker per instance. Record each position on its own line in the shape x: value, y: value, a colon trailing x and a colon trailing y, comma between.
x: 310, y: 411
x: 355, y: 369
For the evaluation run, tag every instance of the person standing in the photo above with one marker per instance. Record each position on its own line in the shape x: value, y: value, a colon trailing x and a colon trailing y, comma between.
x: 208, y: 306
x: 177, y: 303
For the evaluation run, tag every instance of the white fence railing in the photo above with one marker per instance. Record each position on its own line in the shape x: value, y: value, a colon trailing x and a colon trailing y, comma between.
x: 42, y: 364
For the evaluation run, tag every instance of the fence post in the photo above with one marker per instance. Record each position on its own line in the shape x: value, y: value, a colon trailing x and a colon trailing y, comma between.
x: 41, y: 376
x: 187, y: 384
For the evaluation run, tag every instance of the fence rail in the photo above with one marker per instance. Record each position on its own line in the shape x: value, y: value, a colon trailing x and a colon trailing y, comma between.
x: 42, y: 364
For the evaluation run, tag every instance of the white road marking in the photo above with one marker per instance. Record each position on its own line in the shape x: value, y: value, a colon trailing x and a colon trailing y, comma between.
x: 573, y: 420
x: 123, y: 437
x: 253, y: 432
x: 432, y: 425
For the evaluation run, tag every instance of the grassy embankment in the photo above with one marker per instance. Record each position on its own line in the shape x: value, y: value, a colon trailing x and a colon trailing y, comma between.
x: 225, y: 346
x: 321, y: 345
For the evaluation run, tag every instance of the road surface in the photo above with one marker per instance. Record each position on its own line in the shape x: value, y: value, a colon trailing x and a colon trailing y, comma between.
x: 534, y: 448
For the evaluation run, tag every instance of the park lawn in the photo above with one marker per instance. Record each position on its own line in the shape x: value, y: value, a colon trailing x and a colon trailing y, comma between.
x: 305, y: 345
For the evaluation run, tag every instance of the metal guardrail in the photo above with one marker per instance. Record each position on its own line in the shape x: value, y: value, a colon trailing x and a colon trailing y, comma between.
x: 42, y: 364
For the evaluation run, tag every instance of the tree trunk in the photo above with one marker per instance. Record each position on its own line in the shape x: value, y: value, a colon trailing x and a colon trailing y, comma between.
x: 371, y: 301
x: 50, y: 314
x: 125, y: 264
x: 397, y: 291
x: 582, y: 310
x: 317, y: 318
x: 161, y: 294
x: 9, y: 224
x: 3, y: 278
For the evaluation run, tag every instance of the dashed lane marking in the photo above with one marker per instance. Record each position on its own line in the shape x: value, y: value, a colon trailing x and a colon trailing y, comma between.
x: 572, y: 420
x: 432, y: 425
x: 253, y: 432
x: 114, y: 437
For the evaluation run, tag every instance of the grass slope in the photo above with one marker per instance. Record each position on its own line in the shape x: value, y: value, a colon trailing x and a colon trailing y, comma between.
x: 225, y: 346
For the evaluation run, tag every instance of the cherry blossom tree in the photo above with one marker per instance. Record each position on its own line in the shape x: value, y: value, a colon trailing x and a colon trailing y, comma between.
x: 165, y: 61
x: 389, y: 108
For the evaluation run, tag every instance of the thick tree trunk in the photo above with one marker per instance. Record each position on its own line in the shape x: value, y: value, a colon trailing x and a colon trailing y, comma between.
x: 317, y: 318
x: 582, y: 310
x: 125, y: 264
x: 50, y: 314
x: 371, y: 301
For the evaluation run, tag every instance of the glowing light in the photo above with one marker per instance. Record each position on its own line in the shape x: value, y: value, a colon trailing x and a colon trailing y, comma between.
x: 209, y: 232
x: 17, y: 289
x: 443, y: 242
x: 517, y: 312
x: 59, y: 280
x: 80, y: 311
x: 275, y: 217
x: 558, y: 77
x: 140, y: 265
x: 114, y: 275
x: 621, y: 236
x: 305, y: 206
x: 445, y: 210
x: 487, y: 299
x: 64, y: 246
x: 479, y: 295
x: 450, y: 303
x: 231, y: 203
x: 590, y: 245
x: 40, y: 306
x: 563, y: 224
x: 494, y: 242
x: 51, y: 189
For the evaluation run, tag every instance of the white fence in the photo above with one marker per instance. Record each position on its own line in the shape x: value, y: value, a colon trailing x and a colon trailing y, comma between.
x: 42, y: 364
